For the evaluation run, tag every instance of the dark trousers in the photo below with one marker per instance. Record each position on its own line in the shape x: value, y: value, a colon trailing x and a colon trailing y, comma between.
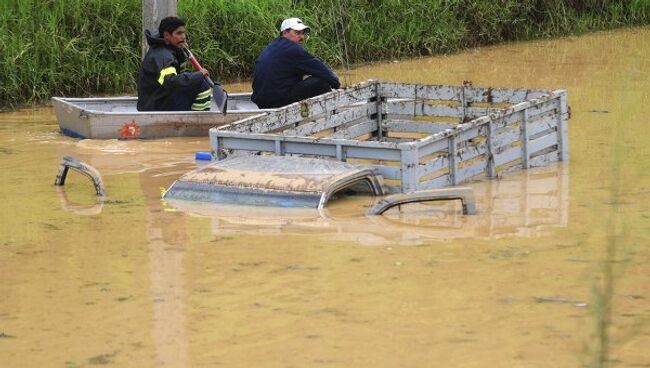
x: 308, y: 87
x: 183, y: 98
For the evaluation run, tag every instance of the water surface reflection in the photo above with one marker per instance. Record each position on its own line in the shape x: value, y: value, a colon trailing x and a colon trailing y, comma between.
x: 521, y: 204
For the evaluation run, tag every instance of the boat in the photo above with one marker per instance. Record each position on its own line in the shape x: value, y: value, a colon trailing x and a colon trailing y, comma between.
x: 118, y: 118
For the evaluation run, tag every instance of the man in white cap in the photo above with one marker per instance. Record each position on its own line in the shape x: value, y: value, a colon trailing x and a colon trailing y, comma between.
x: 285, y: 72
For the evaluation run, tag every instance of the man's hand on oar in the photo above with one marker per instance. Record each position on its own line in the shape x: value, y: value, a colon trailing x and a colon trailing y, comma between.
x: 219, y: 95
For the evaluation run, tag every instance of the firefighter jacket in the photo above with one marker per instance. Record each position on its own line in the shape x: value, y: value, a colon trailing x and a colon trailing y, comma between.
x: 160, y: 76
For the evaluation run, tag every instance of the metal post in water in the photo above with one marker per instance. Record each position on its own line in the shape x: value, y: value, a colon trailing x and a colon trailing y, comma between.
x: 380, y: 111
x: 153, y: 11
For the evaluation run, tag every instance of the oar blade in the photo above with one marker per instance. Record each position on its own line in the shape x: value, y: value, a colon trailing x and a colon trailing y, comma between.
x: 220, y: 98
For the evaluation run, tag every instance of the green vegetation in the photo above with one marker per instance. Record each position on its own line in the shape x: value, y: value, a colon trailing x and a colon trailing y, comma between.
x: 90, y: 47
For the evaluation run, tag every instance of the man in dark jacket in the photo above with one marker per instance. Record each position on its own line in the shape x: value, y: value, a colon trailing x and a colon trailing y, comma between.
x: 161, y: 84
x: 280, y: 70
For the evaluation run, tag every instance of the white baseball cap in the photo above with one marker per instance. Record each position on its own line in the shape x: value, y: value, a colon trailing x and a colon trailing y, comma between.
x: 293, y: 23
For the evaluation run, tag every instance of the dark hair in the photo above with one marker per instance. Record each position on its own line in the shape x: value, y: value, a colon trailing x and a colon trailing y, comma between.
x: 169, y: 24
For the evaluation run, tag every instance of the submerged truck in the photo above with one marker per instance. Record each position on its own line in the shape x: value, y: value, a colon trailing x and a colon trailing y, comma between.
x: 406, y: 140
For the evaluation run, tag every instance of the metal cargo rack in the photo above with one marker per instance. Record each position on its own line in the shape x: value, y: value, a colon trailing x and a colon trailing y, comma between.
x: 417, y: 136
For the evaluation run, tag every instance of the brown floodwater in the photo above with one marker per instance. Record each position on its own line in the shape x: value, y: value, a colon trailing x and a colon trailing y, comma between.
x: 554, y: 271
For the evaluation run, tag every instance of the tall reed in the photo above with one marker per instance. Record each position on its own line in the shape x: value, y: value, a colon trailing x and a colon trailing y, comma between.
x: 51, y: 47
x: 89, y: 47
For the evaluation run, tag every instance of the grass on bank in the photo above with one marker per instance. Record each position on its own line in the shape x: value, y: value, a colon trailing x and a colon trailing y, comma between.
x: 91, y: 47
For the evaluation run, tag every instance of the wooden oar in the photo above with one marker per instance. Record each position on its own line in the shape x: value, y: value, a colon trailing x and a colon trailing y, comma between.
x: 219, y: 95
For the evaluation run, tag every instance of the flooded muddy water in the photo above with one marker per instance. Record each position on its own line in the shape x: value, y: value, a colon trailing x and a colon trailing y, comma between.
x: 554, y: 271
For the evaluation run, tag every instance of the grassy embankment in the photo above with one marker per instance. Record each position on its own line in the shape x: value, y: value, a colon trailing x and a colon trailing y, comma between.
x: 91, y: 47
